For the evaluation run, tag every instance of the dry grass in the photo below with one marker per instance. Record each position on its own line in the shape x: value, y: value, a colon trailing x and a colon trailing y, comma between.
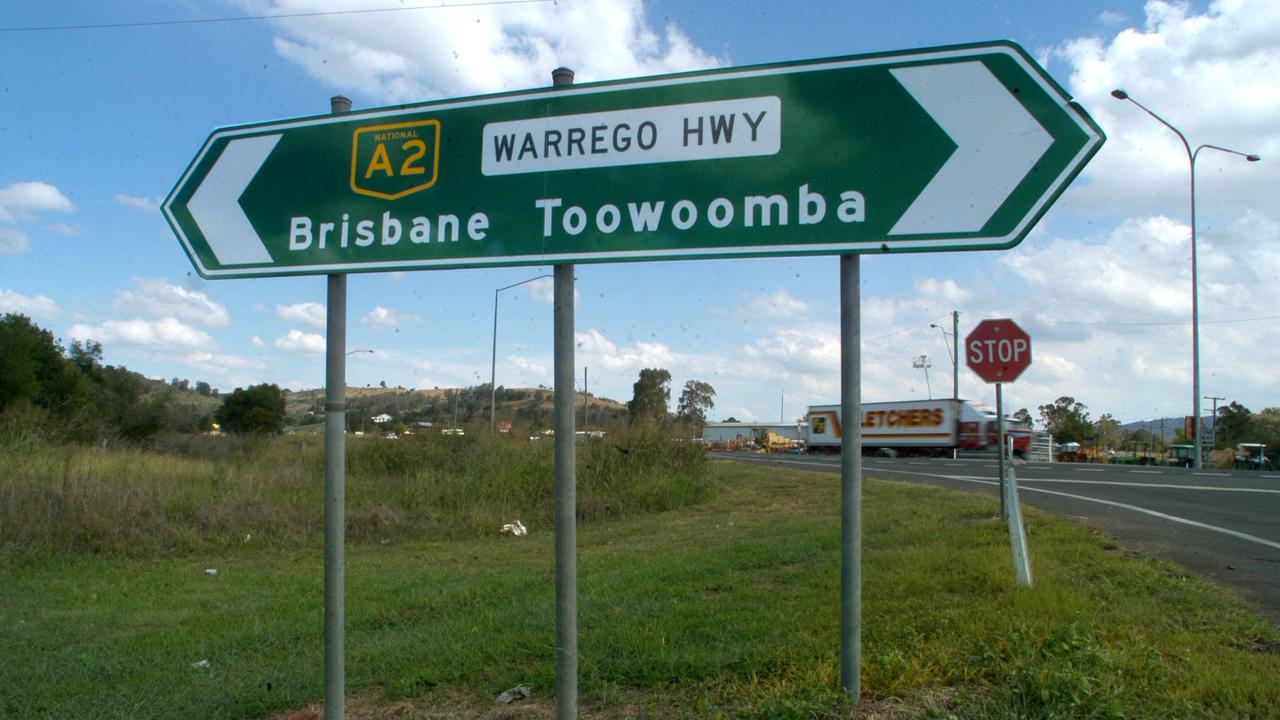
x: 220, y: 493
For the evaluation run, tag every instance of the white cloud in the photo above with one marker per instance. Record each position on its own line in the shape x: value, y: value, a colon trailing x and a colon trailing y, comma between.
x: 381, y: 318
x: 160, y: 299
x: 946, y: 292
x: 39, y: 307
x: 777, y: 305
x: 145, y: 204
x: 163, y: 334
x: 477, y: 49
x: 809, y: 350
x: 22, y: 202
x: 299, y: 342
x: 308, y: 313
x: 13, y: 241
x: 256, y: 341
x: 22, y: 199
x: 1215, y: 76
x: 543, y: 290
x: 220, y: 364
x: 66, y: 229
x: 1112, y: 18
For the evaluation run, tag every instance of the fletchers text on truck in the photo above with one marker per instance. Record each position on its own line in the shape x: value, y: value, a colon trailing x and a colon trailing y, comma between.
x: 916, y: 427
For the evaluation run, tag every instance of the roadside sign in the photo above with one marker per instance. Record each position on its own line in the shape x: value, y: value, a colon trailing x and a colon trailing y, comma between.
x: 997, y: 350
x: 955, y: 148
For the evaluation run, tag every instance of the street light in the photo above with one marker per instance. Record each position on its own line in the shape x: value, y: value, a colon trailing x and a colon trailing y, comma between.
x: 493, y: 359
x: 1192, y: 155
x: 954, y: 352
x: 922, y: 362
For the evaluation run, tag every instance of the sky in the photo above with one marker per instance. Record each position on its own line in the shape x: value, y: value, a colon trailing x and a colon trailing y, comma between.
x: 97, y: 124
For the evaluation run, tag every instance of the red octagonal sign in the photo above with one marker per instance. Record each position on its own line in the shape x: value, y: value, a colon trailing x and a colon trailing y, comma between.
x: 997, y: 350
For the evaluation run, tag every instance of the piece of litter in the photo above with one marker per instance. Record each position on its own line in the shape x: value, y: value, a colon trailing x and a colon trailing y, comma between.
x: 202, y: 665
x: 248, y: 537
x: 211, y: 571
x: 522, y: 692
x: 516, y: 528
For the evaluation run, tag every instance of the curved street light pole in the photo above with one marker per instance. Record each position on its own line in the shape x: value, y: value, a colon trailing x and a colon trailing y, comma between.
x: 955, y: 360
x: 493, y: 358
x: 1192, y: 155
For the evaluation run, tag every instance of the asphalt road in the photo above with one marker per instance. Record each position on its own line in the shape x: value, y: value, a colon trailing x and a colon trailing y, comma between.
x: 1222, y: 525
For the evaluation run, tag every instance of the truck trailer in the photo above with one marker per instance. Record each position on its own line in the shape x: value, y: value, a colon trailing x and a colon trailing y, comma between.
x: 916, y: 427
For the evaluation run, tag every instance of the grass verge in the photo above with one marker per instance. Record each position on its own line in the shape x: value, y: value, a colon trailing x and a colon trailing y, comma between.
x: 216, y: 494
x: 727, y: 608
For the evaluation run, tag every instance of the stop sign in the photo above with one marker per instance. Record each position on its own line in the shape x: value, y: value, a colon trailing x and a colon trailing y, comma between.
x: 997, y: 350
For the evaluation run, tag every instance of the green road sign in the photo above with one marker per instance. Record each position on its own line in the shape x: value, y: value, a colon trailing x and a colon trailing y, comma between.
x: 957, y: 148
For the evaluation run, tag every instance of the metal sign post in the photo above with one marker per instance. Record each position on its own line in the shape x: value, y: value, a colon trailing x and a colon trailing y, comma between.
x: 998, y: 351
x: 1004, y: 509
x: 566, y: 483
x: 851, y: 477
x: 335, y: 487
x: 1017, y: 532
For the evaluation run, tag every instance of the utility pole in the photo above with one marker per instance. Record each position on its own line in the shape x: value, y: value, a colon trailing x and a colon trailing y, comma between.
x: 1213, y: 428
x: 922, y: 363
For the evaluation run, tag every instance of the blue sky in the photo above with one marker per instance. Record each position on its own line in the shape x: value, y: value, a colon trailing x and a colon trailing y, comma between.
x: 98, y: 124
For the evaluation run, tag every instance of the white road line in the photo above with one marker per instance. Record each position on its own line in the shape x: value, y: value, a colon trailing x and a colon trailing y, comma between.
x: 1146, y: 472
x: 1213, y: 474
x: 1214, y: 488
x: 1124, y: 506
x: 1087, y: 469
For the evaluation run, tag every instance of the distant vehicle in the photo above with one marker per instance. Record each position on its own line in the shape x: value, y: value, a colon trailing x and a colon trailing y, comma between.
x: 917, y: 427
x: 453, y: 431
x: 1251, y: 456
x: 770, y: 441
x: 1183, y: 455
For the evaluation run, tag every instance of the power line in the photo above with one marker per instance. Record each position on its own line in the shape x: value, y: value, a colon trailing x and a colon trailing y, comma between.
x: 1102, y: 323
x: 282, y: 16
x: 1161, y: 324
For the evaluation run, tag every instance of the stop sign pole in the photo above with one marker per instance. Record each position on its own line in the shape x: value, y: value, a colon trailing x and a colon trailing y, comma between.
x: 998, y: 351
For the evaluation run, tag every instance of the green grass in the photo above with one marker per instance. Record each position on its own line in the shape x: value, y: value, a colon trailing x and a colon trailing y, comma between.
x: 214, y: 494
x: 724, y: 608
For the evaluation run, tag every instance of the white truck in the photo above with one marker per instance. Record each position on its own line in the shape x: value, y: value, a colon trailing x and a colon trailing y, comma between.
x: 916, y: 427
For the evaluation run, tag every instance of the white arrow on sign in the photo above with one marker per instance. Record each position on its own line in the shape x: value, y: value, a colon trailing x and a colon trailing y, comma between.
x: 215, y: 206
x: 997, y: 144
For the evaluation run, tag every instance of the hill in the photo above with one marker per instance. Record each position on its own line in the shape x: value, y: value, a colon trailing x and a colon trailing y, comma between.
x: 1166, y: 428
x: 527, y: 407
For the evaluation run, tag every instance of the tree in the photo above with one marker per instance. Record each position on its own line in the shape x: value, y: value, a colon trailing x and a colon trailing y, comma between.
x: 1234, y: 424
x: 1022, y: 417
x: 203, y: 388
x: 256, y: 410
x: 1066, y: 420
x: 650, y: 395
x: 33, y: 367
x: 1108, y: 432
x: 1266, y: 426
x: 695, y: 401
x: 130, y: 411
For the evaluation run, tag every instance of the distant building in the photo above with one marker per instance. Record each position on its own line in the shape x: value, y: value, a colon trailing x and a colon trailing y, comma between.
x: 730, y: 432
x: 380, y: 419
